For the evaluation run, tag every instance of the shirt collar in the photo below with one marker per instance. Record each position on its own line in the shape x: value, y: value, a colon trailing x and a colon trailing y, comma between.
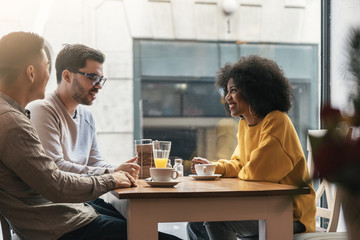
x: 16, y: 105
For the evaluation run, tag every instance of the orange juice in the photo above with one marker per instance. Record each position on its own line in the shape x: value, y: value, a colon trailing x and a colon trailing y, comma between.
x: 160, y: 162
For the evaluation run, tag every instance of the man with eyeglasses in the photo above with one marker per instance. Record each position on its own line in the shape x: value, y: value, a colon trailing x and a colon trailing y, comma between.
x: 65, y: 127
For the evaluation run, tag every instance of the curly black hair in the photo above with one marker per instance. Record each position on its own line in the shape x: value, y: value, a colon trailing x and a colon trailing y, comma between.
x: 261, y: 81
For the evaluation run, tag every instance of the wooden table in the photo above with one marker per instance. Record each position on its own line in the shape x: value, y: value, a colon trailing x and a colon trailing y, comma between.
x: 225, y: 199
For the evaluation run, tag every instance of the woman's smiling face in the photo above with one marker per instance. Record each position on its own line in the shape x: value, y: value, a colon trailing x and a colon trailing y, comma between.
x: 237, y: 104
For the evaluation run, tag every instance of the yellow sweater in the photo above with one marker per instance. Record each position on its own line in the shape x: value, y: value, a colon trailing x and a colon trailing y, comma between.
x: 271, y: 151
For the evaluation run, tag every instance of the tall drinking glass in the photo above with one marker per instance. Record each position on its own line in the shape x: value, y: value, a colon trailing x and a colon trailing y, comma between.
x: 161, y: 151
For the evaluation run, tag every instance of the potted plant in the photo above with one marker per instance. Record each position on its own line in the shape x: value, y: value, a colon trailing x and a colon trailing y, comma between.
x: 337, y: 153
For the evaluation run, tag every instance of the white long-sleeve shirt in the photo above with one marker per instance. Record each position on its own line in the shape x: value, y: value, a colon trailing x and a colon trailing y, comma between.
x: 69, y: 140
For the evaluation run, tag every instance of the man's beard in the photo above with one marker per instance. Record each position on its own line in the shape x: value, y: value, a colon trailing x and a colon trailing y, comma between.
x: 81, y: 95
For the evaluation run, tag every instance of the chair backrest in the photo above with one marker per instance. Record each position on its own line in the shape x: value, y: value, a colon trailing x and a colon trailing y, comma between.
x: 5, y: 227
x: 330, y: 190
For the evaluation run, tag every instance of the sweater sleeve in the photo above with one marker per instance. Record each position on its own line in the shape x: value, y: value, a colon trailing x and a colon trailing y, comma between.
x: 95, y: 160
x: 24, y: 155
x: 268, y: 162
x: 260, y: 155
x: 229, y: 168
x: 48, y: 125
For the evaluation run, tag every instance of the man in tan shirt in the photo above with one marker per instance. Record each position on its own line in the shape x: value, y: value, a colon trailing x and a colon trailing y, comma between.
x: 39, y: 200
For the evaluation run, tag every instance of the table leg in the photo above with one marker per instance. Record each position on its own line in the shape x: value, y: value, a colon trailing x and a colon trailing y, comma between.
x: 142, y: 220
x: 279, y: 224
x: 262, y: 229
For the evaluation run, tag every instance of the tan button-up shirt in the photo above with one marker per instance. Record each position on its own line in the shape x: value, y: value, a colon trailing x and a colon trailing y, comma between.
x: 39, y: 200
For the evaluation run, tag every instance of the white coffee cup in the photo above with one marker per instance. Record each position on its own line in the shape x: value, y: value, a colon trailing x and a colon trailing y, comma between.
x: 163, y: 174
x: 205, y: 169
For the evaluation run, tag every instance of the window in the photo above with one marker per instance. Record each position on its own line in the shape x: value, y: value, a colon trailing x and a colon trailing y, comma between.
x: 181, y: 99
x: 176, y: 87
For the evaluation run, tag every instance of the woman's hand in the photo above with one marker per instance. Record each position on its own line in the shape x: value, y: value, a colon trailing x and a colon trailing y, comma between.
x: 130, y: 167
x: 198, y: 160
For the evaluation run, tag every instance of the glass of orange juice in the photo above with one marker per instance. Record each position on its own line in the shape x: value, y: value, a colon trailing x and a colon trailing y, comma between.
x: 161, y: 151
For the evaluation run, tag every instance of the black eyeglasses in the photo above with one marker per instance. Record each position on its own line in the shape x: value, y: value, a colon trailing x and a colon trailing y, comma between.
x: 95, y: 79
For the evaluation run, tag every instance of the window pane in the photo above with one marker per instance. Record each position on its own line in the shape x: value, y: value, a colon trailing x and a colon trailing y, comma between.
x: 161, y: 99
x: 169, y: 99
x: 175, y: 58
x: 177, y: 95
x: 202, y: 100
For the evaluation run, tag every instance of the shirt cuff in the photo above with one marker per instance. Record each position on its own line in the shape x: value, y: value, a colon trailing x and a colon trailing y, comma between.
x: 109, y: 170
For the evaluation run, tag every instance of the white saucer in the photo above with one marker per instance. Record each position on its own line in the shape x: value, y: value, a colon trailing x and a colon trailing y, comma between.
x: 162, y: 184
x: 210, y: 177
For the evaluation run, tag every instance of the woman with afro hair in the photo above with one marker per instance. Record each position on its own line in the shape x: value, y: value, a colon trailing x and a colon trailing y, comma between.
x: 268, y: 149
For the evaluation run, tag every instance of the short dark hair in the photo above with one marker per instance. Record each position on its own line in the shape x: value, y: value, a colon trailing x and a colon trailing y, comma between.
x: 17, y: 49
x: 261, y: 81
x: 73, y: 57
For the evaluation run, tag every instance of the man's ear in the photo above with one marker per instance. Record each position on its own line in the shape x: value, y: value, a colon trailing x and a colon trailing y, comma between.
x: 66, y: 75
x: 30, y: 73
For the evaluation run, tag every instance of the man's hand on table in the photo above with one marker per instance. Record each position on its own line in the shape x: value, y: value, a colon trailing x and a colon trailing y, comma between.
x: 130, y: 167
x: 123, y: 179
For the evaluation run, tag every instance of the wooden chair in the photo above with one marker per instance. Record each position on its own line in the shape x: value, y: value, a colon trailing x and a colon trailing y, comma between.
x: 325, y: 188
x: 332, y: 199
